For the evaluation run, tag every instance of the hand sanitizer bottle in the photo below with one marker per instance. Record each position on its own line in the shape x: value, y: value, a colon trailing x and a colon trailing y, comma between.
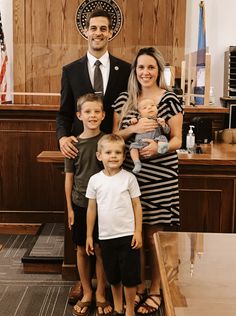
x: 190, y: 140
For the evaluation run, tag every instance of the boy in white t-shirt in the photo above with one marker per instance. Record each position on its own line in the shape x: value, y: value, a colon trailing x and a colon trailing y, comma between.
x: 114, y: 196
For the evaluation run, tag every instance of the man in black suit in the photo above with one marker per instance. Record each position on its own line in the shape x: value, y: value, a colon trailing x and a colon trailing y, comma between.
x: 77, y: 80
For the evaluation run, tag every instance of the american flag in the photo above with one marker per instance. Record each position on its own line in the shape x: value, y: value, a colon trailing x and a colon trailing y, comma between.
x: 3, y: 65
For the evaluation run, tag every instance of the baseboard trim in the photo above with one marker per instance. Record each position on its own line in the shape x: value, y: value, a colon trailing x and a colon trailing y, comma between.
x: 19, y: 228
x: 41, y: 268
x: 19, y: 216
x: 69, y: 272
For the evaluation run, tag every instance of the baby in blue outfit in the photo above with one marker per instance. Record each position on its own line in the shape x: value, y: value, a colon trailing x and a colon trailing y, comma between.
x: 147, y: 108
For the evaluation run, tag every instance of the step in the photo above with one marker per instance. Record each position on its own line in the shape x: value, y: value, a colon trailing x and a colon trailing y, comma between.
x: 46, y: 252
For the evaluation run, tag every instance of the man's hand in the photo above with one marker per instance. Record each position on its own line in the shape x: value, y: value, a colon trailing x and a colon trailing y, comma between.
x: 67, y: 146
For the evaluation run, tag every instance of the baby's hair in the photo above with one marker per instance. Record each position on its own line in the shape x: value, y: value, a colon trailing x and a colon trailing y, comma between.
x: 89, y: 97
x: 111, y: 138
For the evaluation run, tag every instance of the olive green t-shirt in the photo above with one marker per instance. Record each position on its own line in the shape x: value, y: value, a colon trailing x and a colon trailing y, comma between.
x: 83, y: 167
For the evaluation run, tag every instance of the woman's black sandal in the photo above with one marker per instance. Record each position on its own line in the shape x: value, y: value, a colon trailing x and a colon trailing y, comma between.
x: 141, y: 298
x: 150, y: 310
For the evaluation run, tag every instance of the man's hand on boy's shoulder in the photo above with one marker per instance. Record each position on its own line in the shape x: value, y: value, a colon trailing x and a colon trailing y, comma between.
x: 67, y: 146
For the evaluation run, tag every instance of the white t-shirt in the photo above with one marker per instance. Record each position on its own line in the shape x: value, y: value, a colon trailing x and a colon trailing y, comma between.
x: 114, y: 206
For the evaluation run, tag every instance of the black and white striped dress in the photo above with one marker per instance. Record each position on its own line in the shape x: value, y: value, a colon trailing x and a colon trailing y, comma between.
x: 158, y: 178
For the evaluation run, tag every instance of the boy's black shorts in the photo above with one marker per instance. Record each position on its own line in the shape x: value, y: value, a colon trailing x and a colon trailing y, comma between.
x: 79, y: 228
x: 121, y: 262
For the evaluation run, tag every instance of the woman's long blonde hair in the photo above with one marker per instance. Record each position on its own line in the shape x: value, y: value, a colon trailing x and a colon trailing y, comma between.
x: 134, y: 87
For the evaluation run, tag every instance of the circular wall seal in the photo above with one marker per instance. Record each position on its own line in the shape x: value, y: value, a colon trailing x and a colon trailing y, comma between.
x: 110, y: 6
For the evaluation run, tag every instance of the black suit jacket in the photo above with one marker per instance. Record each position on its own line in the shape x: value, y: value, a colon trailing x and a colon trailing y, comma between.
x: 75, y: 82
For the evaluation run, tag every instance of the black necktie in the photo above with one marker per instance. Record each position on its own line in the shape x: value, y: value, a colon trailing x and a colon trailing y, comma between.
x: 98, y: 82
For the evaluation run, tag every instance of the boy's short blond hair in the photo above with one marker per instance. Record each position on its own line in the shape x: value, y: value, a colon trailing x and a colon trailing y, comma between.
x: 89, y: 97
x: 111, y: 138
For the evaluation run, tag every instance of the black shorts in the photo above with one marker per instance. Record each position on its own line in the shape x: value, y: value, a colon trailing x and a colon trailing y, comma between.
x: 79, y: 228
x: 121, y: 262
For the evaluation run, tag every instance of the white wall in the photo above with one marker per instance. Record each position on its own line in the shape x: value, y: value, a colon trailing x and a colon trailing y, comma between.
x: 220, y: 34
x: 7, y: 18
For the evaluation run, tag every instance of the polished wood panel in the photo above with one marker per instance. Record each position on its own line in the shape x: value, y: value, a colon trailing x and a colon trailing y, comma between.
x: 197, y: 273
x: 214, y: 154
x: 19, y: 229
x: 30, y: 192
x: 45, y: 32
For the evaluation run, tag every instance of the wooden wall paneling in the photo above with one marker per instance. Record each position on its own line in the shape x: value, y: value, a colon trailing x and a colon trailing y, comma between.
x: 46, y: 49
x: 38, y: 64
x: 26, y: 185
x: 29, y: 49
x: 73, y: 44
x: 178, y: 44
x: 50, y: 39
x: 166, y: 28
x: 19, y: 50
x: 56, y: 20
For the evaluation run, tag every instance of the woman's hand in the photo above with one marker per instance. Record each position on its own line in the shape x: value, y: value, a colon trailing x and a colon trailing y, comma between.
x: 144, y: 125
x: 150, y: 149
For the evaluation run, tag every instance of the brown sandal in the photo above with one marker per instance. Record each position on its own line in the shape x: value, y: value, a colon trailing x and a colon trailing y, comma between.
x: 149, y: 308
x: 103, y: 305
x: 82, y: 305
x: 76, y: 293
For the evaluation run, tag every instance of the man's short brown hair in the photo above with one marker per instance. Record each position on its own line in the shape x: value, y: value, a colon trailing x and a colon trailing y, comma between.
x: 97, y: 13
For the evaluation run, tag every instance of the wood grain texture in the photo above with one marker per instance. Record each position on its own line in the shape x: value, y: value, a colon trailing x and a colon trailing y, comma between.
x: 46, y: 38
x: 30, y: 191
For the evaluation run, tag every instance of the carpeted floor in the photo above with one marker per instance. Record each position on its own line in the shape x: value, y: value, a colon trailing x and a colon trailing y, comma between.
x: 28, y: 294
x: 31, y: 294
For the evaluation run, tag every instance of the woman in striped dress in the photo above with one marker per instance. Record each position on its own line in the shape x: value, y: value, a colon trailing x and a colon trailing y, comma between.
x: 158, y: 178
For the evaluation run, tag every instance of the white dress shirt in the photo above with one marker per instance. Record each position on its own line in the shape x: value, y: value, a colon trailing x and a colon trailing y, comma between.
x: 105, y: 68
